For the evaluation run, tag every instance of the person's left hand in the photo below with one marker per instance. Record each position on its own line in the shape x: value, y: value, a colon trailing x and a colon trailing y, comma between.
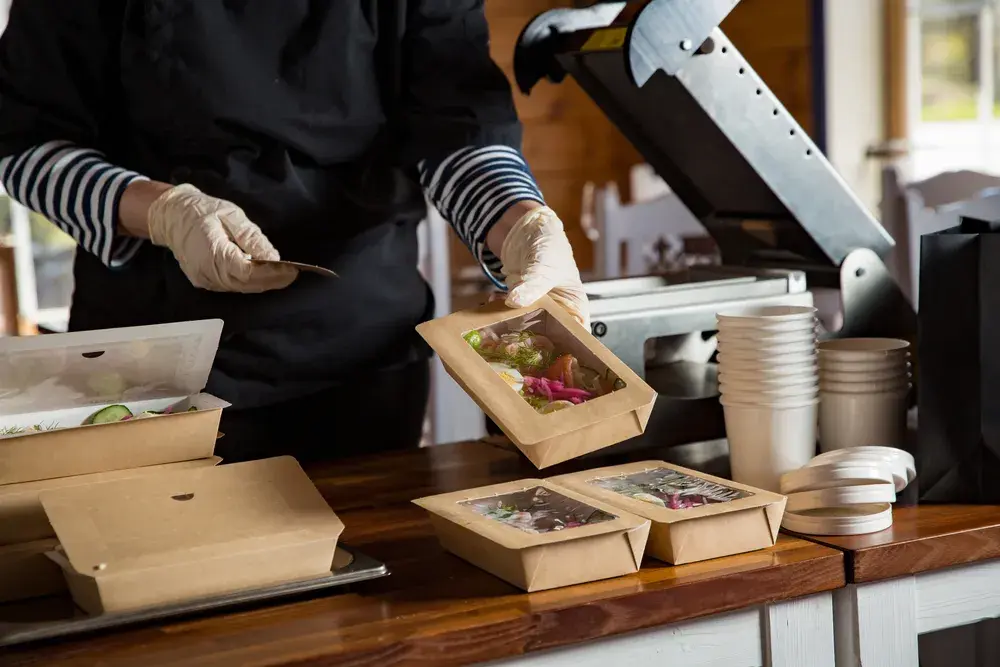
x: 538, y: 260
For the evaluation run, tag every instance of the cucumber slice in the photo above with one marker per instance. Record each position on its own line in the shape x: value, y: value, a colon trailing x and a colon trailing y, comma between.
x: 109, y: 415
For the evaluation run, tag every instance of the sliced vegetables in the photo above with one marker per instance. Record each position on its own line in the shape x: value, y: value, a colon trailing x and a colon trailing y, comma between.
x: 529, y: 364
x: 110, y: 414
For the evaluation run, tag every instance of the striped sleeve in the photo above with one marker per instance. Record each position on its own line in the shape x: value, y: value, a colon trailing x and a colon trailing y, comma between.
x: 473, y: 188
x: 78, y: 191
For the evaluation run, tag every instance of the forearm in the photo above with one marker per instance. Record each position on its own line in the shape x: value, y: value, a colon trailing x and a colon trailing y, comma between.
x: 78, y: 191
x: 482, y: 192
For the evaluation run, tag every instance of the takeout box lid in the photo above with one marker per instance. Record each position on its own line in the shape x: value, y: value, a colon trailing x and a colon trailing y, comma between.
x: 773, y: 504
x: 449, y: 506
x: 59, y: 371
x: 522, y: 424
x: 188, y: 516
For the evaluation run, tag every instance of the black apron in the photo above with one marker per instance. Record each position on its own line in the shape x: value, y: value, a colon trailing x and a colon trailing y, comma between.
x: 278, y: 108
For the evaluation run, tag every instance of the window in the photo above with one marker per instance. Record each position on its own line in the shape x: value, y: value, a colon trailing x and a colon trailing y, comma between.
x: 954, y: 71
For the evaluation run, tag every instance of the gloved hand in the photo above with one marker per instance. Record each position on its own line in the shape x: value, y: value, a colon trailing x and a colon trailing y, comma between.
x: 212, y: 239
x: 538, y: 260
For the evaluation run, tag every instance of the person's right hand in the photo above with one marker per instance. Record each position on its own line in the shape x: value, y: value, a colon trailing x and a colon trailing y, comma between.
x: 213, y: 240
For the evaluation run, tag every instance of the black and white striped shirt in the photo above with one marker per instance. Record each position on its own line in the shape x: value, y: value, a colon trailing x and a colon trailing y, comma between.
x: 80, y: 192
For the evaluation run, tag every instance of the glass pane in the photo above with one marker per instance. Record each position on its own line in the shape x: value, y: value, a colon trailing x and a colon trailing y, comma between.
x: 949, y: 61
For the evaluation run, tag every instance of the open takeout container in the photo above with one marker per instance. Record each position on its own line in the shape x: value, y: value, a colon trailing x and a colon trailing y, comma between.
x: 26, y: 572
x: 546, y: 439
x: 177, y: 536
x: 537, y: 535
x: 57, y: 381
x: 714, y: 517
x: 22, y: 518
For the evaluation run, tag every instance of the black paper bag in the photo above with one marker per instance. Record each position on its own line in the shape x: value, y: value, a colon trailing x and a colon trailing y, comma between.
x: 958, y: 450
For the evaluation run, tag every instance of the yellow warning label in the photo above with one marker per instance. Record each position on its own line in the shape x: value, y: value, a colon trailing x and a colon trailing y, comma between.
x: 607, y: 39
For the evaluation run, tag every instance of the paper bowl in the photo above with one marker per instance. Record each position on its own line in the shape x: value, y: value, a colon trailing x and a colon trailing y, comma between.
x: 767, y: 395
x: 786, y: 403
x: 765, y: 442
x: 856, y: 420
x: 884, y: 364
x: 863, y: 349
x: 869, y: 387
x: 879, y: 375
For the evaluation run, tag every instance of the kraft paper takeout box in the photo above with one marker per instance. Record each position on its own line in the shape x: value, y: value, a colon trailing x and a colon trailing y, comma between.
x: 537, y: 561
x: 26, y: 572
x: 61, y: 379
x: 747, y: 523
x: 552, y: 438
x: 179, y: 536
x: 22, y: 518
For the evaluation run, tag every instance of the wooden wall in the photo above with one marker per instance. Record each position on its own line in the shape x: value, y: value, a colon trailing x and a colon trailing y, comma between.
x: 569, y: 142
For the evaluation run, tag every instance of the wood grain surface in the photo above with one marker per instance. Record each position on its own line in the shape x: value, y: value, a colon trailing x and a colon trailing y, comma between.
x: 922, y: 538
x: 436, y: 609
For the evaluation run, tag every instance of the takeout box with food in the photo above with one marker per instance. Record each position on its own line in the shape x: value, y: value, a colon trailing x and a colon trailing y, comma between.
x: 536, y: 535
x: 549, y: 384
x: 191, y: 534
x: 96, y: 401
x: 694, y: 516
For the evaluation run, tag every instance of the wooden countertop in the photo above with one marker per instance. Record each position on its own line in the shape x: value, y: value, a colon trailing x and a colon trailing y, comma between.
x: 436, y: 609
x: 922, y: 538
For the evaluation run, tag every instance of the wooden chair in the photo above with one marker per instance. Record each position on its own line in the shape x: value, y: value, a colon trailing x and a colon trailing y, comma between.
x: 9, y: 311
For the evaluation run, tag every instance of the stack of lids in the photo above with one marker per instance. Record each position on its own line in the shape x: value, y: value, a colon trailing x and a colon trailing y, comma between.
x: 846, y: 491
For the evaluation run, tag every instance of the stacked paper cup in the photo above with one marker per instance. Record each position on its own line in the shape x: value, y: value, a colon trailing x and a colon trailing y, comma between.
x: 864, y: 390
x: 768, y: 379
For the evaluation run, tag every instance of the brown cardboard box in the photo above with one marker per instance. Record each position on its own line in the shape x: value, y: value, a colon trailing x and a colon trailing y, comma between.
x: 179, y: 536
x: 22, y: 518
x: 57, y: 381
x: 26, y: 572
x: 550, y: 438
x: 609, y: 545
x: 728, y: 518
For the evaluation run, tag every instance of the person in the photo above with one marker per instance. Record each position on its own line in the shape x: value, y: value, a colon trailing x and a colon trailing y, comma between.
x: 176, y: 141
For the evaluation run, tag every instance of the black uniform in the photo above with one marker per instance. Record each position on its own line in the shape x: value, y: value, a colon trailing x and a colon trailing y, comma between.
x: 312, y: 116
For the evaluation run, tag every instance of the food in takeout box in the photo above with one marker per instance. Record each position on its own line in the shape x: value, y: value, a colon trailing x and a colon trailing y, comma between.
x: 81, y: 403
x: 191, y: 534
x: 550, y: 385
x: 694, y: 516
x: 537, y: 535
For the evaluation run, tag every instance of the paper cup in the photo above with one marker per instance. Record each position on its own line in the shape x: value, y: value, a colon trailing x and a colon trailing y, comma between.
x: 856, y: 420
x: 878, y: 375
x: 761, y: 395
x: 754, y: 317
x: 750, y: 349
x: 764, y: 338
x: 739, y: 363
x: 863, y: 349
x: 771, y: 374
x: 766, y: 442
x: 869, y: 387
x: 752, y: 382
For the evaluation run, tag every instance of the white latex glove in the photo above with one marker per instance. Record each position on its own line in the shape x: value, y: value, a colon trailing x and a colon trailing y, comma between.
x: 538, y: 260
x: 213, y: 240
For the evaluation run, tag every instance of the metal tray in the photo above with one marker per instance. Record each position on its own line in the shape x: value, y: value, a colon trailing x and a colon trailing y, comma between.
x: 58, y: 617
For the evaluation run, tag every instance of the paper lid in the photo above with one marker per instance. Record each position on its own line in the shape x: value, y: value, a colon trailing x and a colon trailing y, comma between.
x: 188, y: 516
x: 904, y: 468
x: 841, y: 496
x: 828, y: 475
x: 851, y: 520
x: 57, y: 371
